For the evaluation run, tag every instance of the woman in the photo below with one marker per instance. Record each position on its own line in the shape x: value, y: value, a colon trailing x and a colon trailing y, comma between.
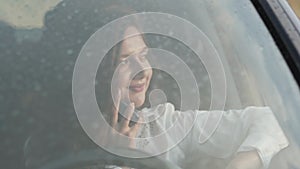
x: 258, y: 138
x: 242, y: 138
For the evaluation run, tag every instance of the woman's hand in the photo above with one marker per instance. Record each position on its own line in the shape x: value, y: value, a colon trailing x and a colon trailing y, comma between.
x: 246, y: 160
x: 121, y: 126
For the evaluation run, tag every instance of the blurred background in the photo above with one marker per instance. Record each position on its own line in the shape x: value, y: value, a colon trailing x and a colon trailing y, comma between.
x: 295, y: 4
x: 31, y: 13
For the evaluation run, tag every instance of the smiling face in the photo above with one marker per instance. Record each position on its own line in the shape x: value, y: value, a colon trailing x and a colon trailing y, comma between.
x: 134, y: 69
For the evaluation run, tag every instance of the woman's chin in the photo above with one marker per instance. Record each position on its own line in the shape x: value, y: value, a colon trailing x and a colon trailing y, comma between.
x: 138, y: 101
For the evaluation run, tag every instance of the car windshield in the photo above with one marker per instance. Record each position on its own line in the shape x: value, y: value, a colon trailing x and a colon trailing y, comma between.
x: 144, y: 84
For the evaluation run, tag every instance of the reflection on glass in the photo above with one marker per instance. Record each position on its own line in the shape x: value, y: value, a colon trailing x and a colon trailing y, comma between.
x: 37, y: 69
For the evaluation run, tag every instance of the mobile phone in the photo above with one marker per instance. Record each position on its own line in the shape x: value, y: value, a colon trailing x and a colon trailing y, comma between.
x: 122, y: 108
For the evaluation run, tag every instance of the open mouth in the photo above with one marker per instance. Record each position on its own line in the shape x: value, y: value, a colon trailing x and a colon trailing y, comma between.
x: 137, y: 87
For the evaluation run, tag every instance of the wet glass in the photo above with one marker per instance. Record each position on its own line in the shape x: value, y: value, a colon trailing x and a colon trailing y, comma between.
x: 40, y: 42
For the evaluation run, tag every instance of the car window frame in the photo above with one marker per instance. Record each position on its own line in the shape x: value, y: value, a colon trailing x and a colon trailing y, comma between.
x: 284, y: 26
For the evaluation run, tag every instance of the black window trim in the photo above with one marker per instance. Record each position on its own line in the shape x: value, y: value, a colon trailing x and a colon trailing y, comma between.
x: 284, y: 27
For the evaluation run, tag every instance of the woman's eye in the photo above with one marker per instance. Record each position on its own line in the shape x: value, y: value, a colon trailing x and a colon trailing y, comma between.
x: 124, y: 61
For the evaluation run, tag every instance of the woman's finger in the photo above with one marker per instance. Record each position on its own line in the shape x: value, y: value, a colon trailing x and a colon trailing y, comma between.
x: 128, y: 113
x: 135, y: 128
x: 116, y: 109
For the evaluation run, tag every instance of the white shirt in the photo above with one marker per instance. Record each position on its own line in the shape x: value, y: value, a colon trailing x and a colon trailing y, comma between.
x: 215, y: 134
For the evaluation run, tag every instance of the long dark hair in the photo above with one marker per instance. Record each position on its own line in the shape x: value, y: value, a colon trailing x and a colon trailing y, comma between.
x: 105, y: 73
x: 82, y: 19
x: 67, y: 27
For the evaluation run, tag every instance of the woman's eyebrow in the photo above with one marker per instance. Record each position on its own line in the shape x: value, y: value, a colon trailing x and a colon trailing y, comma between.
x: 144, y: 50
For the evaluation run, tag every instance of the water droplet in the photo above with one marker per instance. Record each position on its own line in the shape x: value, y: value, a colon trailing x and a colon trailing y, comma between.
x: 43, y: 60
x: 69, y: 51
x: 59, y: 76
x: 30, y: 120
x: 15, y: 113
x: 37, y: 87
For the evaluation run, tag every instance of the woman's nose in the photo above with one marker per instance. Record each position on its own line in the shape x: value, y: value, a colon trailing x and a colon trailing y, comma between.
x: 138, y: 67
